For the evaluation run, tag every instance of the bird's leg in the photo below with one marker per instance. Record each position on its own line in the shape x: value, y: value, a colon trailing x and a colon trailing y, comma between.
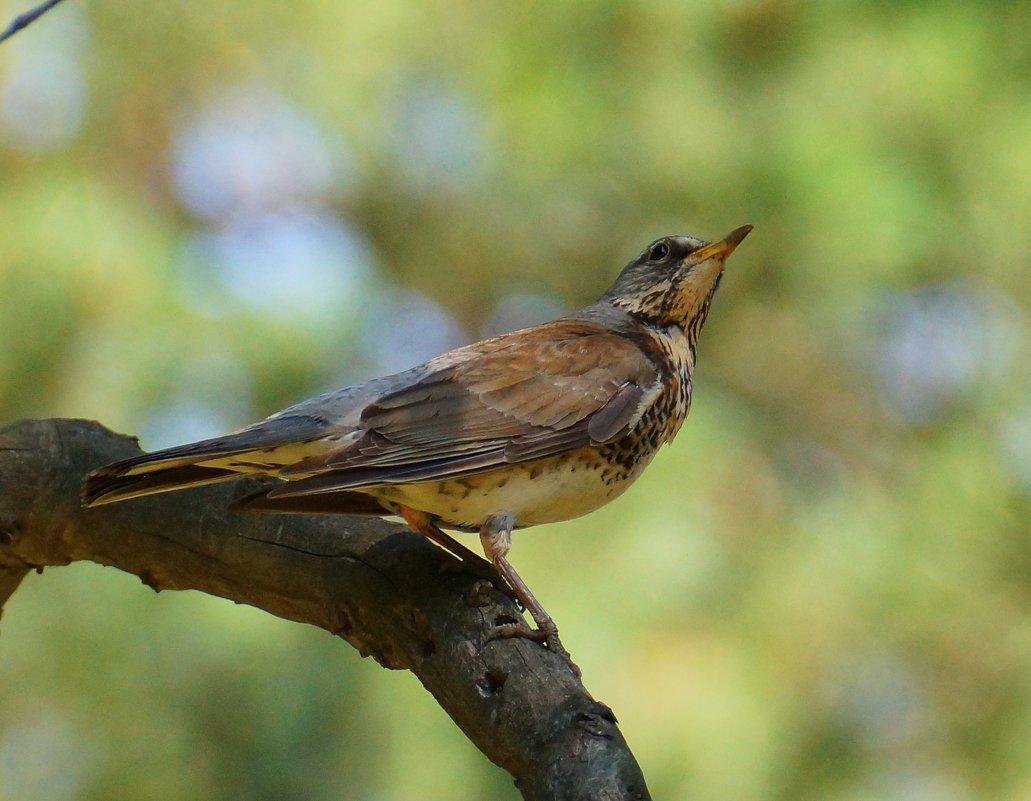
x: 496, y: 538
x: 421, y: 523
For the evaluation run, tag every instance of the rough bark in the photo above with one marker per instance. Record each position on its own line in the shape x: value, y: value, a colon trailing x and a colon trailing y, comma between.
x: 383, y: 589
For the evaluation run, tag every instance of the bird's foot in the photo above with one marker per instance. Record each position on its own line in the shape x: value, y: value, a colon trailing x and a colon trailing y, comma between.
x: 545, y: 634
x: 496, y: 538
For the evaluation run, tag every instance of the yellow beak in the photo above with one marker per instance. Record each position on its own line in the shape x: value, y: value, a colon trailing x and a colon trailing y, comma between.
x: 723, y: 248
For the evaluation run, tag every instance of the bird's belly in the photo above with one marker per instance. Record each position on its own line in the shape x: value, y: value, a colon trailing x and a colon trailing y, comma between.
x: 544, y: 491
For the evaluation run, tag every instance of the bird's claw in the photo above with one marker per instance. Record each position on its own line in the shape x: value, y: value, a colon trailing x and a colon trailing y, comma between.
x: 545, y: 635
x: 505, y: 631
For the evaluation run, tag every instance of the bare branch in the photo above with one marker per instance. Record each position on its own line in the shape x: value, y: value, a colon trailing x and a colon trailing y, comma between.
x: 386, y: 591
x: 26, y: 19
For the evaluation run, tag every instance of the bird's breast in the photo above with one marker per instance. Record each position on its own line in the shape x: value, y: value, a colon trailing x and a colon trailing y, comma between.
x: 675, y: 356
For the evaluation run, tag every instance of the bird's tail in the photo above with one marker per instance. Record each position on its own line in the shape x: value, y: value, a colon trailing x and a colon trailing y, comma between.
x: 148, y: 473
x: 262, y: 448
x: 109, y: 484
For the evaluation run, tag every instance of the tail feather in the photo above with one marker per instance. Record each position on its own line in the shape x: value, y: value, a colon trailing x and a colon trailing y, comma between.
x: 263, y: 447
x: 172, y: 468
x: 106, y: 486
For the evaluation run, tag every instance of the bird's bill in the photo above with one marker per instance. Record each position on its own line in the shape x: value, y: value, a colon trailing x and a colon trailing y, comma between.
x: 723, y: 248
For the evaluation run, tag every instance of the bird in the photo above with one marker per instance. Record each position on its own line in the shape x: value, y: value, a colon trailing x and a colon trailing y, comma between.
x: 540, y: 425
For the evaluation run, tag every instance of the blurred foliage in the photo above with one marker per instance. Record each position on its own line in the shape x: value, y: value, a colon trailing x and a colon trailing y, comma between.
x: 822, y: 590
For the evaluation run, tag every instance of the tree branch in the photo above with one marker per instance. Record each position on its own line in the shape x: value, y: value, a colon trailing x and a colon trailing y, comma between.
x: 26, y: 19
x: 385, y: 590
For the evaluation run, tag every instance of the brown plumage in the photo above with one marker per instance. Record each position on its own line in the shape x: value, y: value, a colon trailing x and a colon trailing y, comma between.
x: 536, y: 426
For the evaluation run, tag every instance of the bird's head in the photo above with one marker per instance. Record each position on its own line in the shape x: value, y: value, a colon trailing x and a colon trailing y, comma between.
x: 672, y: 281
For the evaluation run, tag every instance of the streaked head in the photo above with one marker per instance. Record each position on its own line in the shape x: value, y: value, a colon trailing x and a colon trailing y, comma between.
x: 672, y: 281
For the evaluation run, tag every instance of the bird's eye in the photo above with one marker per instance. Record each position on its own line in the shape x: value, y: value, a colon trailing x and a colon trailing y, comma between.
x: 659, y: 251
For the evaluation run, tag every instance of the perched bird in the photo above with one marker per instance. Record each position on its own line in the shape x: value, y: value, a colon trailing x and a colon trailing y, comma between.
x: 536, y: 426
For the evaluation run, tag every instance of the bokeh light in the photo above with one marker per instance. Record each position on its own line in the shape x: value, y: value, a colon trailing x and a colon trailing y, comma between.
x: 404, y: 328
x: 940, y: 346
x: 248, y: 150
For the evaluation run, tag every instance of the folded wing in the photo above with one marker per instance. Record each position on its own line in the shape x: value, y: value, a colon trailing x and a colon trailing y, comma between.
x: 514, y: 399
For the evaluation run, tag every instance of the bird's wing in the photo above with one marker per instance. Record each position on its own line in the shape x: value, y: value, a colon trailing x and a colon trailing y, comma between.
x: 508, y: 400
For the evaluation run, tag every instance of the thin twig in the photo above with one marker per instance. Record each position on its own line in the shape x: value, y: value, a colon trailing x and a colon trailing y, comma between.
x: 26, y: 19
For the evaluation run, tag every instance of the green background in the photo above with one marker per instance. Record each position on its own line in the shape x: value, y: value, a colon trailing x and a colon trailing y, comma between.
x: 822, y: 590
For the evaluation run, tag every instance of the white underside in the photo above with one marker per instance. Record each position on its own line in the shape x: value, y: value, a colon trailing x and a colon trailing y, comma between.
x: 545, y: 492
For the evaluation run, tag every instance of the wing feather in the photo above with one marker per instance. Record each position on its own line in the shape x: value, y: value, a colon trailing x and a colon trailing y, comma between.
x: 574, y: 384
